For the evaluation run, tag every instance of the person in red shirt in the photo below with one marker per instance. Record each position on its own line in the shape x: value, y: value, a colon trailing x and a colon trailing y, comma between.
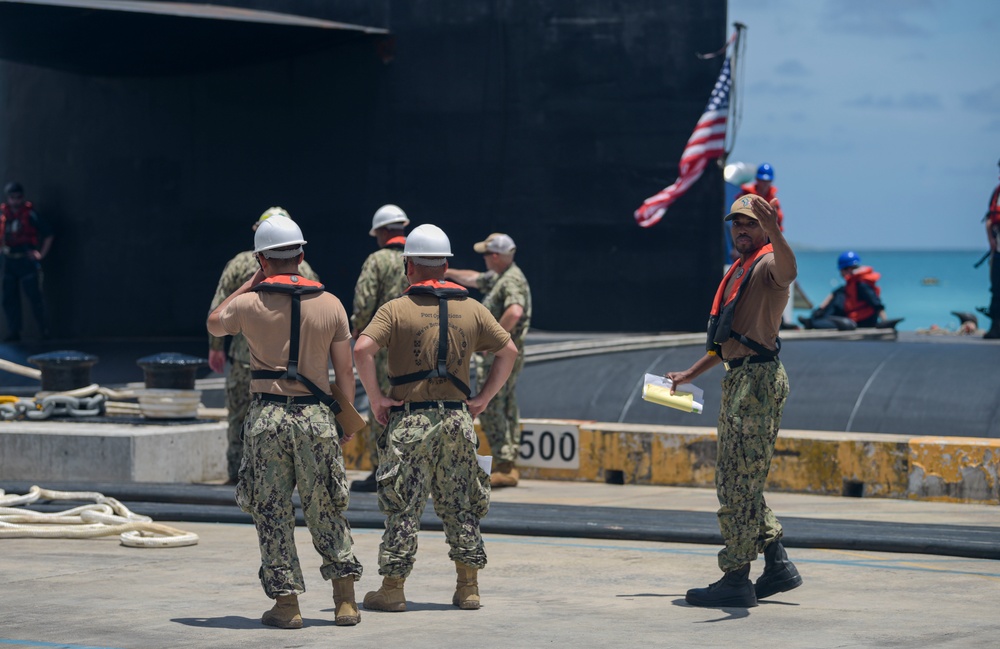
x: 858, y: 303
x: 764, y: 188
x: 26, y: 240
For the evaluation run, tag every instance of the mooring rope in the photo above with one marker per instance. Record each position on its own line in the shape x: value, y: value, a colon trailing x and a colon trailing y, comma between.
x: 106, y: 517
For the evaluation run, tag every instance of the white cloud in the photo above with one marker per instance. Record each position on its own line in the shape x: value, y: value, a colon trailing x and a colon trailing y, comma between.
x: 908, y: 101
x: 791, y: 68
x: 899, y: 18
x: 986, y: 100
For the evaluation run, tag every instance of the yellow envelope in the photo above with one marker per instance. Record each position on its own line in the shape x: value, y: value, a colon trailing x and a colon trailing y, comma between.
x: 661, y: 394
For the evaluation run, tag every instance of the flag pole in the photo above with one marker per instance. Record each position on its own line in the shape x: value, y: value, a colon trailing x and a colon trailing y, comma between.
x: 706, y: 144
x: 735, y: 96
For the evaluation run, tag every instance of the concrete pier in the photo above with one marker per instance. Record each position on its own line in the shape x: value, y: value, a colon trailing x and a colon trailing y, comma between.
x: 127, y: 452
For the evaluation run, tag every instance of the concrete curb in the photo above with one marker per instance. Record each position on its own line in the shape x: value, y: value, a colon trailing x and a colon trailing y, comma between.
x: 949, y: 469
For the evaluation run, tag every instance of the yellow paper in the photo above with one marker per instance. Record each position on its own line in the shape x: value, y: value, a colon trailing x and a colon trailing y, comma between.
x: 661, y: 395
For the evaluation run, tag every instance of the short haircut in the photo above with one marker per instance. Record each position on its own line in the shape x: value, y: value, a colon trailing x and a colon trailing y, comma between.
x: 429, y: 261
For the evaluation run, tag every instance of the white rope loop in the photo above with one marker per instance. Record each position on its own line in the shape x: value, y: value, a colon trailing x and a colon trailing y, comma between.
x: 106, y: 517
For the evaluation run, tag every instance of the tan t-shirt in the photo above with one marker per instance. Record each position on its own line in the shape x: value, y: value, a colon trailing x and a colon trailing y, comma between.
x: 410, y: 328
x: 758, y: 313
x: 265, y: 320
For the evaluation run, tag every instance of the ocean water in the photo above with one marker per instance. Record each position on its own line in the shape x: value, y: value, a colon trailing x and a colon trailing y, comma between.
x: 923, y: 287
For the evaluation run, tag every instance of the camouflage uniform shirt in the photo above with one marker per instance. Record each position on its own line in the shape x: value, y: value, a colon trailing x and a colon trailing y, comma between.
x: 382, y: 279
x: 504, y: 289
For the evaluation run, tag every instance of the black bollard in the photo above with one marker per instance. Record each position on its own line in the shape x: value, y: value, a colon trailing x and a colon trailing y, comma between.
x: 64, y: 370
x: 170, y: 370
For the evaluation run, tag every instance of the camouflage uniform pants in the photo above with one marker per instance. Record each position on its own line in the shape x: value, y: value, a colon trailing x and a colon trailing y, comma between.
x: 432, y: 452
x: 237, y: 401
x: 501, y: 419
x: 374, y: 428
x: 753, y: 396
x: 289, y: 446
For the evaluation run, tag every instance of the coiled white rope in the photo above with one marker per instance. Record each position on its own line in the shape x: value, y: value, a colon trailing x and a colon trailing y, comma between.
x: 104, y: 518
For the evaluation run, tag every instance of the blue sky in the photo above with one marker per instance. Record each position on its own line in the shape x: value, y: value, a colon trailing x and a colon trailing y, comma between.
x: 880, y: 117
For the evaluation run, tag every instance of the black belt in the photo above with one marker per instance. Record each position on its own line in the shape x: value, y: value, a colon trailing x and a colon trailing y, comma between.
x: 736, y: 362
x: 428, y: 405
x: 277, y: 398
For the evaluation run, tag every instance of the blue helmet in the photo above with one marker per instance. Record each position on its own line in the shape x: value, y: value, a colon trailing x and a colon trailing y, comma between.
x: 848, y: 259
x: 765, y: 172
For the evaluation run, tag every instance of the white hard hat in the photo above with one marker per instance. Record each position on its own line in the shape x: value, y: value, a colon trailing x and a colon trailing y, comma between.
x: 278, y: 232
x: 427, y: 241
x: 387, y: 215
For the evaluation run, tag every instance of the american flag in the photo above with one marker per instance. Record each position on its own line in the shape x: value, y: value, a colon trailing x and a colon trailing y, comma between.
x: 706, y: 143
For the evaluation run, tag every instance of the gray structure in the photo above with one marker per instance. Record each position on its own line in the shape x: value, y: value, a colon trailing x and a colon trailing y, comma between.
x: 151, y: 134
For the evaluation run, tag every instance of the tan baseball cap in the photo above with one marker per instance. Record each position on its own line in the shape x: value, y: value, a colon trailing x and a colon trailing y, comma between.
x: 744, y: 206
x: 496, y: 242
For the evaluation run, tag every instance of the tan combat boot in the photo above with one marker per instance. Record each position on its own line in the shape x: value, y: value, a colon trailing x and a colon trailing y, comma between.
x: 505, y: 475
x: 346, y: 607
x: 284, y: 614
x: 389, y: 597
x: 467, y: 591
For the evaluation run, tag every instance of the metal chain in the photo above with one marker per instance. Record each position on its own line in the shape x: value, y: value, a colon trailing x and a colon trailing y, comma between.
x: 53, y: 405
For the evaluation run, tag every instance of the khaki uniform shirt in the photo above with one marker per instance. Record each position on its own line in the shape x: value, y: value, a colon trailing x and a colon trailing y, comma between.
x: 237, y: 271
x: 758, y: 313
x: 409, y: 327
x: 265, y: 320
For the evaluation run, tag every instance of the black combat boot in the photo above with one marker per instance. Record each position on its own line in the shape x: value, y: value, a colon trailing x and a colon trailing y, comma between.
x: 779, y: 574
x: 733, y: 590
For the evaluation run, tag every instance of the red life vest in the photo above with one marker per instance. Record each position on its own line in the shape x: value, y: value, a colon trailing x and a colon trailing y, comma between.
x: 720, y: 321
x: 771, y: 193
x: 16, y: 228
x: 296, y: 286
x: 439, y: 287
x: 289, y: 283
x: 993, y: 215
x: 444, y: 291
x: 857, y: 309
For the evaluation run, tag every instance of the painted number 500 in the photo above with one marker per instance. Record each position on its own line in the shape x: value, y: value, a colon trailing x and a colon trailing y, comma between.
x: 551, y: 447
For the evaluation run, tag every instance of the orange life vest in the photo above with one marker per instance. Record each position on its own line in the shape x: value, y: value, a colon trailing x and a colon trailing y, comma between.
x: 398, y: 241
x: 857, y: 309
x: 993, y: 215
x: 720, y: 321
x: 443, y: 290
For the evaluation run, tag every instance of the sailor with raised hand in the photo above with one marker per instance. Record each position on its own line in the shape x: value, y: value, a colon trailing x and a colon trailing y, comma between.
x: 743, y: 335
x: 293, y: 329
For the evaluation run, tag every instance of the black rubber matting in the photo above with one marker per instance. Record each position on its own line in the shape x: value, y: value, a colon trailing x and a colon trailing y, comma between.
x: 216, y: 504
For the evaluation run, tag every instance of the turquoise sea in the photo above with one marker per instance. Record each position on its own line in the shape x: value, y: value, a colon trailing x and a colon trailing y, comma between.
x: 922, y: 286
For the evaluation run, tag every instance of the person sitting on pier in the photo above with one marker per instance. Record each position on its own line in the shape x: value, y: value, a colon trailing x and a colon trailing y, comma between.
x: 858, y: 303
